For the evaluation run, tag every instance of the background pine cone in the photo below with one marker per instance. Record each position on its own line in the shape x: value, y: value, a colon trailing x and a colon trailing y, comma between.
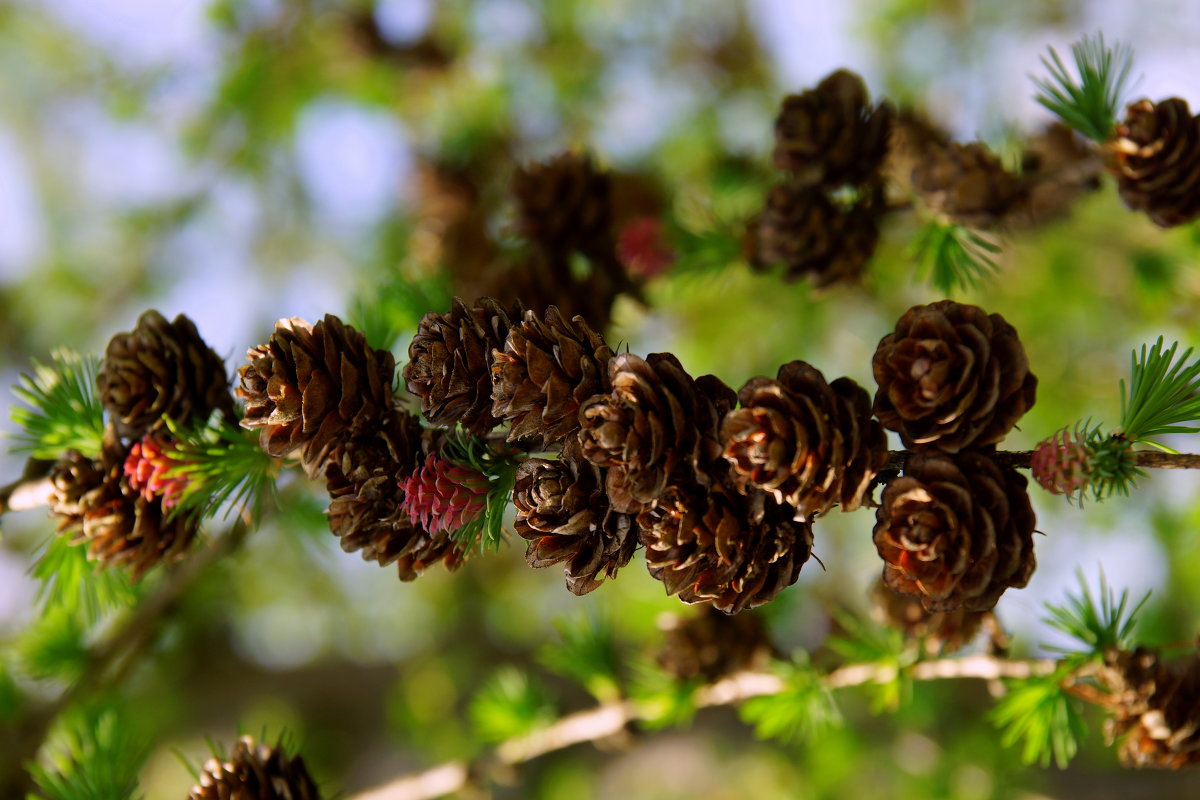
x: 720, y: 546
x: 709, y: 645
x: 656, y: 424
x: 538, y: 279
x: 313, y: 386
x: 809, y: 443
x: 450, y: 362
x: 255, y: 772
x: 802, y: 229
x: 943, y: 633
x: 1156, y: 155
x: 161, y: 369
x: 565, y: 204
x: 1155, y: 708
x: 546, y: 370
x: 955, y: 531
x: 563, y: 511
x: 830, y: 136
x: 953, y: 376
x: 966, y: 183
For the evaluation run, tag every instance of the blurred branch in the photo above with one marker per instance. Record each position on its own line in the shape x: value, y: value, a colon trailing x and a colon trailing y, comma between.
x: 1151, y: 459
x: 608, y: 720
x: 110, y: 660
x: 30, y: 490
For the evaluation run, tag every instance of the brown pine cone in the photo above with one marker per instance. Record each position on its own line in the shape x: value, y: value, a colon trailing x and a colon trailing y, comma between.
x: 966, y: 183
x: 161, y: 369
x: 943, y: 633
x: 955, y: 531
x: 1058, y: 168
x: 1155, y: 708
x: 450, y: 362
x: 255, y: 772
x: 710, y: 645
x: 1156, y: 157
x: 656, y: 424
x: 539, y: 279
x: 546, y: 370
x: 953, y: 376
x: 363, y: 479
x: 120, y: 526
x: 809, y: 443
x: 313, y: 387
x: 830, y: 136
x: 735, y: 551
x: 802, y: 229
x: 912, y: 137
x: 563, y: 511
x: 565, y: 204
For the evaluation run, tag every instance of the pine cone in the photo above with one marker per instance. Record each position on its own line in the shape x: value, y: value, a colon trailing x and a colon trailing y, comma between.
x: 710, y: 645
x: 540, y: 279
x: 121, y: 527
x: 943, y: 633
x: 720, y: 546
x: 966, y: 183
x: 953, y: 376
x: 313, y: 387
x: 1058, y: 168
x: 546, y: 370
x: 830, y: 136
x: 161, y: 369
x: 450, y: 363
x: 1156, y: 155
x: 563, y: 511
x: 809, y: 443
x: 912, y: 137
x: 955, y: 531
x: 364, y: 482
x: 1062, y: 463
x: 802, y: 229
x: 1156, y: 708
x: 565, y: 205
x: 656, y: 424
x: 255, y: 772
x: 443, y: 497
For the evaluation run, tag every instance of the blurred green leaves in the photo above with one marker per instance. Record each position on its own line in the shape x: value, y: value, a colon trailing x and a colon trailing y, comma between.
x: 586, y: 651
x: 96, y: 755
x: 1040, y: 717
x: 510, y: 704
x: 64, y: 412
x: 800, y: 712
x: 76, y: 586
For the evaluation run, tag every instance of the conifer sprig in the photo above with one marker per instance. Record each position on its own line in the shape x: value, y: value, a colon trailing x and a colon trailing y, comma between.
x: 951, y: 256
x: 64, y: 412
x: 1100, y: 622
x: 803, y: 710
x: 510, y: 704
x: 225, y: 468
x: 1163, y: 392
x: 73, y: 584
x: 485, y: 532
x: 99, y: 758
x: 1041, y: 717
x: 1088, y: 103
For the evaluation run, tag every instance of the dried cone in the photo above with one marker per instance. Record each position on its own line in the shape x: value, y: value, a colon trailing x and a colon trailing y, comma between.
x: 314, y: 386
x: 655, y: 425
x: 943, y: 633
x: 565, y: 204
x: 546, y: 370
x: 120, y: 526
x: 1062, y: 463
x: 540, y: 279
x: 719, y: 546
x: 912, y: 137
x: 255, y: 772
x: 1155, y: 708
x: 802, y: 229
x: 830, y: 136
x: 366, y: 510
x: 709, y: 645
x: 1058, y: 168
x: 955, y: 531
x: 563, y: 511
x: 450, y: 363
x: 966, y: 183
x: 1156, y: 156
x: 161, y: 369
x: 443, y: 497
x: 809, y: 443
x: 953, y: 376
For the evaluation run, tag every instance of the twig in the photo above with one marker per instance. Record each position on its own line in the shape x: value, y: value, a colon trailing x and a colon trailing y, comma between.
x: 1150, y: 459
x: 110, y: 660
x: 30, y: 490
x: 608, y: 720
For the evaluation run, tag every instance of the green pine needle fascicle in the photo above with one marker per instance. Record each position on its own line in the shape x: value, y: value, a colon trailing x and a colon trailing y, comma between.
x: 53, y: 648
x: 64, y: 412
x: 586, y: 651
x: 486, y: 532
x: 802, y: 711
x: 225, y: 469
x: 1088, y: 103
x: 509, y: 705
x: 1042, y: 718
x: 72, y: 583
x: 951, y: 256
x: 1100, y: 622
x: 869, y: 643
x: 386, y: 313
x: 97, y: 755
x: 1113, y: 465
x: 1163, y: 392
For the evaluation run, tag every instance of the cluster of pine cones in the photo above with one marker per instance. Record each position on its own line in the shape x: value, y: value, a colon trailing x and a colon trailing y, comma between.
x: 255, y: 771
x: 120, y: 503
